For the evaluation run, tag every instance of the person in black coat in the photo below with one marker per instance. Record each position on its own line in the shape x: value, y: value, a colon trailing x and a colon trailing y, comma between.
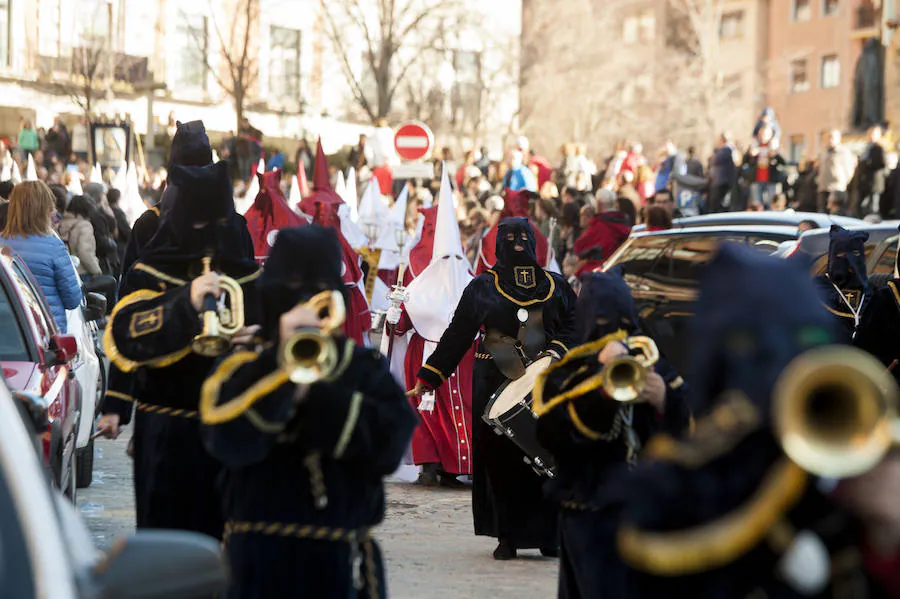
x: 723, y: 512
x: 150, y: 333
x: 305, y: 462
x: 845, y: 287
x: 522, y: 310
x: 591, y: 435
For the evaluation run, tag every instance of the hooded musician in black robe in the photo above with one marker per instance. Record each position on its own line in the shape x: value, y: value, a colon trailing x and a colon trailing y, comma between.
x: 723, y: 512
x: 190, y: 147
x: 519, y: 308
x: 879, y: 328
x: 150, y: 332
x: 596, y: 434
x: 845, y: 287
x: 304, y: 463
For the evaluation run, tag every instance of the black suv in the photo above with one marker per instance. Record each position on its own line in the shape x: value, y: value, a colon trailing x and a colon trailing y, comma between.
x: 662, y: 269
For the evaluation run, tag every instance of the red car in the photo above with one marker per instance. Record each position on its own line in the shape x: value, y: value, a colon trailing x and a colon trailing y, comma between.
x: 35, y: 358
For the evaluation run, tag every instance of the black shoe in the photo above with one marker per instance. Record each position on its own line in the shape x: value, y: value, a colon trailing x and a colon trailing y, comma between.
x: 550, y: 551
x: 449, y: 481
x: 428, y: 477
x: 505, y: 550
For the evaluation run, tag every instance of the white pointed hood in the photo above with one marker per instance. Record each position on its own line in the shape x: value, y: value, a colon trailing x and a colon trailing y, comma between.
x: 391, y: 255
x: 215, y: 156
x: 260, y: 169
x: 16, y: 176
x: 131, y: 202
x: 6, y: 171
x: 435, y: 293
x: 30, y: 171
x: 350, y: 195
x: 294, y: 195
x: 121, y: 180
x: 96, y: 174
x: 371, y: 206
x: 340, y: 186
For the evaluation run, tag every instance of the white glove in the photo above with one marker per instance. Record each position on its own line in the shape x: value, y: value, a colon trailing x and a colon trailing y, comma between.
x: 393, y: 315
x: 806, y: 565
x: 426, y: 403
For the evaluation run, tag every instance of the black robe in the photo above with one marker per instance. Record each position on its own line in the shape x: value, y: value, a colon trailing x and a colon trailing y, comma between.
x: 149, y: 336
x: 879, y: 328
x: 859, y: 298
x: 314, y: 466
x: 507, y: 496
x: 584, y: 463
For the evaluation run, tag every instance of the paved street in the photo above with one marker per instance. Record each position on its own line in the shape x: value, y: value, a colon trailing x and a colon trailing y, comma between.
x: 431, y: 551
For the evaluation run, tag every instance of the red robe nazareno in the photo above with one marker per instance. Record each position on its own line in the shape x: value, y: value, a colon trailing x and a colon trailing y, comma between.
x: 444, y: 436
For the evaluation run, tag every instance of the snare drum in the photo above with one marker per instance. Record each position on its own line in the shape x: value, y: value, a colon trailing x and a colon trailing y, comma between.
x: 509, y: 413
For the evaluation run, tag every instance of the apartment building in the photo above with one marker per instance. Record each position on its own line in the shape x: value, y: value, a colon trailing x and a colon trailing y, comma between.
x: 167, y: 58
x: 813, y: 49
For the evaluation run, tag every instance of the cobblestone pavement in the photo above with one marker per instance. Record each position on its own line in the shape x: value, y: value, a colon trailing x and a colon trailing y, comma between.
x: 427, y: 538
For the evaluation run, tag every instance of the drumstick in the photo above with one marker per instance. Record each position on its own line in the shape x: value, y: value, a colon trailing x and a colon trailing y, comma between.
x: 893, y: 365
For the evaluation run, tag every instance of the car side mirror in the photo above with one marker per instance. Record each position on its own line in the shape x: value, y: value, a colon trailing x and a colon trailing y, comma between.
x: 95, y: 306
x: 33, y: 408
x: 160, y: 564
x: 64, y: 348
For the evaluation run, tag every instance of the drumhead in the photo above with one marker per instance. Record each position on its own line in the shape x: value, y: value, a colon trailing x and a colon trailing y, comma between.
x: 512, y: 392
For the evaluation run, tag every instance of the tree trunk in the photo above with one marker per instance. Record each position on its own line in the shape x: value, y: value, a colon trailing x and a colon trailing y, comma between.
x: 238, y: 108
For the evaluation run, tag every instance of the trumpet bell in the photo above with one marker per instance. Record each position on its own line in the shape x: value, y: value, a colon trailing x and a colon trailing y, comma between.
x: 834, y: 410
x: 210, y: 346
x: 309, y: 356
x: 624, y: 379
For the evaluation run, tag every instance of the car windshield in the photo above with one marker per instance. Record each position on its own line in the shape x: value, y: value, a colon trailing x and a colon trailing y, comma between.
x: 12, y: 341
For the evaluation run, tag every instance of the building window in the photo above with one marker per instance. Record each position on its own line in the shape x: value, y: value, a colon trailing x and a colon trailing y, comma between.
x: 639, y: 28
x: 831, y: 72
x: 799, y: 78
x: 4, y: 33
x: 190, y: 52
x: 284, y: 63
x: 829, y: 7
x: 732, y: 25
x: 797, y: 147
x: 802, y: 10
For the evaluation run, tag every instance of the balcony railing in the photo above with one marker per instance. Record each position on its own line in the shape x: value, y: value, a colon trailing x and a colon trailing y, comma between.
x: 95, y: 64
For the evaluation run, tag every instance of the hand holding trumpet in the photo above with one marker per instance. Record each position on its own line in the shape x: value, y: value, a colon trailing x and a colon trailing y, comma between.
x: 654, y: 391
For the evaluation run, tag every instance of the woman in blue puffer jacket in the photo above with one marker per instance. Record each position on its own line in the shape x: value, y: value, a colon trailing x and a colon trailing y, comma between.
x: 28, y: 231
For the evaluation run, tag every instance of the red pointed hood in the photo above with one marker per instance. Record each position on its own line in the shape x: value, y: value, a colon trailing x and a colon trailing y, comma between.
x: 323, y: 195
x: 269, y: 212
x: 516, y: 204
x: 302, y: 182
x: 420, y: 254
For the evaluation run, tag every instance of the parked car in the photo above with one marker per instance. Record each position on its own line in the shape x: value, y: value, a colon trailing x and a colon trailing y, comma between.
x: 47, y: 551
x: 662, y: 269
x: 769, y: 218
x: 37, y: 359
x: 881, y: 248
x: 90, y: 372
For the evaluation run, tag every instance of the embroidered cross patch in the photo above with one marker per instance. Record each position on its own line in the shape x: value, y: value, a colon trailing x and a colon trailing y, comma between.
x: 146, y: 322
x: 524, y: 276
x: 853, y: 297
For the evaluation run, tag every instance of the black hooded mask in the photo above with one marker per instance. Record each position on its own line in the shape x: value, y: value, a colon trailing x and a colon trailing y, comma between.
x: 755, y: 314
x: 190, y: 145
x: 519, y: 274
x: 303, y: 262
x: 605, y: 305
x: 199, y: 220
x: 847, y: 258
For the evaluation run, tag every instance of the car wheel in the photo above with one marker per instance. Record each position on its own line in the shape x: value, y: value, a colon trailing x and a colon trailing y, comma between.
x: 84, y: 474
x: 72, y: 491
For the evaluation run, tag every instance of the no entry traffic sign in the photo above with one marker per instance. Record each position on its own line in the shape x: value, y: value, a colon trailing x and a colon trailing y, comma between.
x: 413, y: 140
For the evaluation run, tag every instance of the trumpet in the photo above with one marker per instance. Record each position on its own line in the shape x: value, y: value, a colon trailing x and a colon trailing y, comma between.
x: 219, y: 324
x: 625, y: 377
x: 311, y: 354
x: 835, y: 411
